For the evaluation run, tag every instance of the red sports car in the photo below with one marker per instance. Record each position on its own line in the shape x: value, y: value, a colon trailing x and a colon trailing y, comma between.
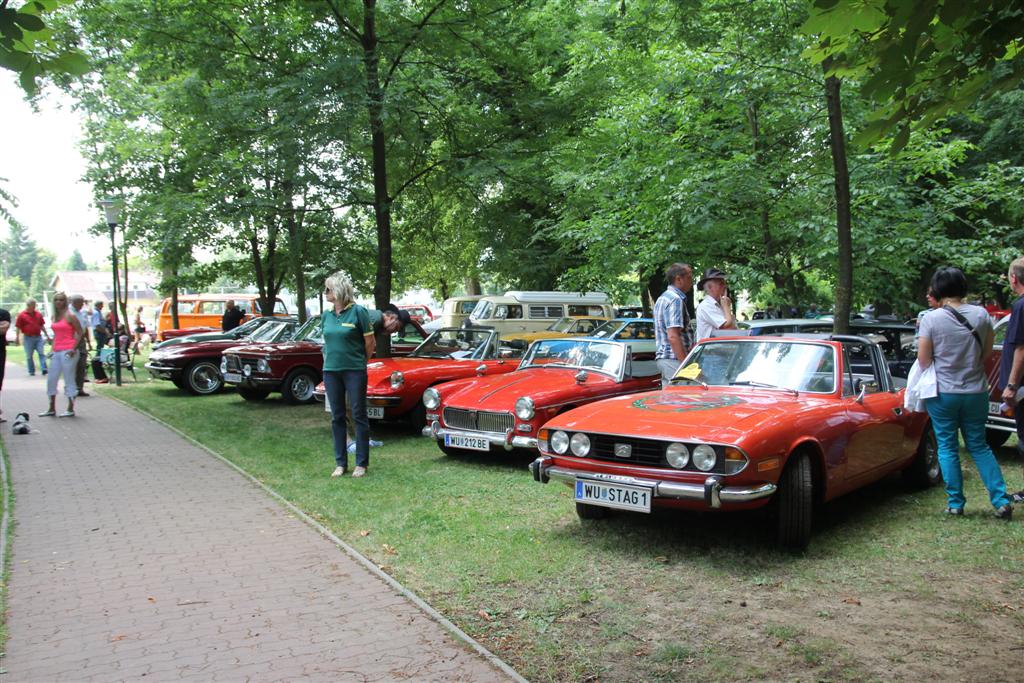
x: 747, y: 422
x: 556, y: 375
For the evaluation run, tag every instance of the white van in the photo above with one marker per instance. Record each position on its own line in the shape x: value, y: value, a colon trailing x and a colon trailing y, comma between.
x: 457, y: 308
x: 535, y: 311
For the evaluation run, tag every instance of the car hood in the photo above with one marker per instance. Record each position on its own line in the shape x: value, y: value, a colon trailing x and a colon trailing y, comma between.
x: 278, y: 348
x: 688, y: 413
x: 381, y: 369
x: 194, y: 348
x: 546, y: 386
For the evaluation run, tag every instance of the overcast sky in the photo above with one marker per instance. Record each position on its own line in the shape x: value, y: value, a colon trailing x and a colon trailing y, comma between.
x: 43, y: 168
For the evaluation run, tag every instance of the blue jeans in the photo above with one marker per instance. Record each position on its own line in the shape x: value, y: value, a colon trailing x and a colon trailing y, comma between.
x: 340, y: 384
x: 966, y: 413
x: 34, y: 344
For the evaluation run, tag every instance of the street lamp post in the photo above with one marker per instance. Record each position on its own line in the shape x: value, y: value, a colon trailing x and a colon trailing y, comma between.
x: 112, y: 211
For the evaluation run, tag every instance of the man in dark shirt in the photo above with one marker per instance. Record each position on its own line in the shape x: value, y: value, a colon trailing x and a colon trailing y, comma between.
x: 5, y: 324
x: 232, y: 317
x: 1011, y: 366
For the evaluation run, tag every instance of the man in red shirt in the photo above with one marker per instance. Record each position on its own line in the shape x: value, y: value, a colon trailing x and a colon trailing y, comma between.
x: 31, y: 329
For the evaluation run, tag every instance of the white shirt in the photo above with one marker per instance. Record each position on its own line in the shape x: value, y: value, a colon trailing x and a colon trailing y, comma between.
x: 710, y: 317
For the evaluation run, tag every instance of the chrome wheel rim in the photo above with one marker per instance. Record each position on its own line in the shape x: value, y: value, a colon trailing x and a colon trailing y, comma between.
x: 931, y: 454
x: 205, y: 378
x: 302, y: 388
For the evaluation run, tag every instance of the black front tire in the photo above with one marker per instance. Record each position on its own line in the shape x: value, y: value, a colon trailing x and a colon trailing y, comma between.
x: 794, y: 503
x: 418, y: 417
x: 253, y: 393
x: 298, y: 386
x: 203, y: 378
x: 996, y: 438
x: 180, y: 383
x: 585, y: 511
x: 924, y: 471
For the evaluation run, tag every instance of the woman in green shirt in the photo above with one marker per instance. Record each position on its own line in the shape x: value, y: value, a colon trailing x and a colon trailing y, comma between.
x: 348, y: 344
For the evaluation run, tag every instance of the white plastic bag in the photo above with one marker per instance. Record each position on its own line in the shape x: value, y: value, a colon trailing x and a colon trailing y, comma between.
x: 921, y: 385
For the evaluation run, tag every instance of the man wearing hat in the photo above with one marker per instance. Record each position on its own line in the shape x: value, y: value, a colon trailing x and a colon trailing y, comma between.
x: 715, y: 311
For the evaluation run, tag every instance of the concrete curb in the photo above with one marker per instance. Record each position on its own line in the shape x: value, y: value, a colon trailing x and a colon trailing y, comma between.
x: 459, y: 634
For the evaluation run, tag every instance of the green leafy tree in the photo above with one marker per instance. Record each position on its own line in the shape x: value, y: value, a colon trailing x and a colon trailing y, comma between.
x: 31, y: 49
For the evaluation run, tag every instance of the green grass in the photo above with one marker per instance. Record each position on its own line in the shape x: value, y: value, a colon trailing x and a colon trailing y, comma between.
x: 634, y: 597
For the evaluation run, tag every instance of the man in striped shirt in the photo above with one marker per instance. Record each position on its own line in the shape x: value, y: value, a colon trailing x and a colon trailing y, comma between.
x: 672, y: 321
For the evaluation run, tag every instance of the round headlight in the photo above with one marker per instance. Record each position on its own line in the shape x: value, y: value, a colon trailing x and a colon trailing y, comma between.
x: 223, y: 365
x: 704, y: 457
x: 246, y: 369
x: 397, y: 379
x: 678, y: 455
x: 524, y: 408
x: 560, y: 442
x: 262, y: 365
x: 431, y: 399
x: 579, y: 444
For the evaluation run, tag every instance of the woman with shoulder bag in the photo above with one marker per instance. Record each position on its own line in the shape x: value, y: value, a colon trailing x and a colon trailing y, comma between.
x: 67, y: 332
x: 348, y: 345
x: 957, y: 338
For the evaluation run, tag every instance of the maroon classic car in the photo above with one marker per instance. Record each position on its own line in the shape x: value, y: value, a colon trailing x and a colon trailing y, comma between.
x: 506, y: 411
x: 294, y: 368
x: 195, y: 366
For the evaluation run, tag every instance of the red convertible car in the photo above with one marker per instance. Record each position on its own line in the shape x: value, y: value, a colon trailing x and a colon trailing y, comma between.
x: 747, y: 422
x: 556, y: 375
x: 294, y: 368
x: 396, y: 385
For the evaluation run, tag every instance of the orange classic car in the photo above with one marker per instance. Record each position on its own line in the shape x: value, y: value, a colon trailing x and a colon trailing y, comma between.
x: 747, y: 422
x: 556, y: 375
x: 395, y: 386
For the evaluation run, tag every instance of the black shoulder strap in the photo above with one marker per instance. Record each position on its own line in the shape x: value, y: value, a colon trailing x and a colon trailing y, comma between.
x: 963, y: 321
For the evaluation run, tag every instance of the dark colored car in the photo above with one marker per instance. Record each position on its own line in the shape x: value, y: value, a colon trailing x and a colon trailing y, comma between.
x: 896, y: 339
x: 295, y: 367
x: 999, y: 427
x: 195, y: 366
x: 240, y: 332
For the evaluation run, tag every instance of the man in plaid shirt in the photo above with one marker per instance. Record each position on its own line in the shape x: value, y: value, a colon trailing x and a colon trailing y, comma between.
x: 672, y: 321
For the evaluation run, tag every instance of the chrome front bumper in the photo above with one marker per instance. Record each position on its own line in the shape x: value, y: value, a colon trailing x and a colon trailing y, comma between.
x: 1001, y: 423
x: 508, y: 440
x: 711, y: 492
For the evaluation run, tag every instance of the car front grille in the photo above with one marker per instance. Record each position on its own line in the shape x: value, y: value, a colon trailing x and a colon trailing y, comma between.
x: 235, y: 364
x: 642, y: 451
x: 478, y: 420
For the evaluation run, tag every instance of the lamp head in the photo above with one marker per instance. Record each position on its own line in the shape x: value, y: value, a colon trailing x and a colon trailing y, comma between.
x: 112, y: 210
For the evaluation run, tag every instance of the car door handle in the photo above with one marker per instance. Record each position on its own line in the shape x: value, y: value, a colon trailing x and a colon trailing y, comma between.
x: 897, y: 411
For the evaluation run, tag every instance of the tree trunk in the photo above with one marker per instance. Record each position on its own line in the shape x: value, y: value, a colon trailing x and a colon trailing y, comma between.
x: 837, y: 141
x: 655, y: 285
x: 381, y: 196
x: 296, y: 250
x: 472, y: 286
x: 645, y: 298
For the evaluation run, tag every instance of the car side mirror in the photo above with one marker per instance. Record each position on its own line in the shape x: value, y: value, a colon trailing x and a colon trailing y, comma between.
x: 581, y: 377
x: 481, y: 369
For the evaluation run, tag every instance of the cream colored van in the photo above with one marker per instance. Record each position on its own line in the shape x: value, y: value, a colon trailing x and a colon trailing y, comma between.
x: 535, y: 311
x: 456, y: 309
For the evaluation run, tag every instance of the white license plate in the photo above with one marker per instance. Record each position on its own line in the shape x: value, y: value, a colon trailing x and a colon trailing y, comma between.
x: 473, y: 443
x: 613, y: 496
x: 232, y: 377
x: 375, y: 412
x: 993, y: 408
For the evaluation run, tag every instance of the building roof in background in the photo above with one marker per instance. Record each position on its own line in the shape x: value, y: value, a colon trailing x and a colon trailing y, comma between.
x: 99, y: 284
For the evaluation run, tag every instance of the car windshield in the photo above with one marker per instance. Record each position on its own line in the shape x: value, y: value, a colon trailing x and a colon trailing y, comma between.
x: 575, y: 353
x: 245, y: 329
x: 311, y: 331
x: 616, y: 329
x: 561, y: 325
x: 269, y: 332
x: 482, y: 310
x: 792, y: 366
x: 453, y: 342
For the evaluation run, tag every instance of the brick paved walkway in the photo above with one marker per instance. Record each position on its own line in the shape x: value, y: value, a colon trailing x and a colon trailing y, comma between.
x: 168, y: 564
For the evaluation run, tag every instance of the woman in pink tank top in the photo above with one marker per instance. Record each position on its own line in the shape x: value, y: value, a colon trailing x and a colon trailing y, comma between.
x: 67, y: 331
